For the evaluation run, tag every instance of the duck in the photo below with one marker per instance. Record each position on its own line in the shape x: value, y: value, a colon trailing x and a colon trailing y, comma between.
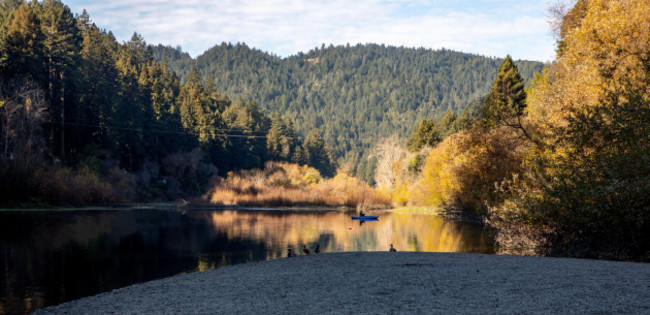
x: 317, y: 250
x: 392, y: 249
x: 291, y: 253
x: 305, y: 250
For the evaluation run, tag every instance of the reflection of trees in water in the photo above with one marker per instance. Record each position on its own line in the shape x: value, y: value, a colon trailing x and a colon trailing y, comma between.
x: 49, y: 258
x: 413, y: 232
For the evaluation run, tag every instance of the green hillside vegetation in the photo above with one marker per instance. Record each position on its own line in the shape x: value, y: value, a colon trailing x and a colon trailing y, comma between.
x: 85, y: 119
x: 356, y: 95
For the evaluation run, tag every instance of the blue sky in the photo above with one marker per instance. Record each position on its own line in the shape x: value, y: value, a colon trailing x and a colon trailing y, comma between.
x: 285, y: 27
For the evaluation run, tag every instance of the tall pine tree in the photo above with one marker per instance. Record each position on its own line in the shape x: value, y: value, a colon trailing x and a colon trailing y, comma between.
x: 61, y: 47
x: 316, y: 154
x: 23, y: 50
x: 506, y: 102
x: 196, y: 113
x: 282, y: 143
x: 507, y: 99
x: 426, y: 134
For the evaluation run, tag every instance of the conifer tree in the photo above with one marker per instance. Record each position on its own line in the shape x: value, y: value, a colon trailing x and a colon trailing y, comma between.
x: 195, y: 112
x: 61, y: 48
x: 282, y: 142
x: 99, y: 79
x: 7, y: 9
x: 447, y: 124
x: 426, y: 134
x: 506, y: 102
x: 62, y: 39
x: 23, y: 51
x: 317, y: 154
x: 507, y: 99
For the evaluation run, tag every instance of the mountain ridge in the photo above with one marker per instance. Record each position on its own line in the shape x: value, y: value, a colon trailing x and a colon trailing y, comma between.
x: 355, y: 95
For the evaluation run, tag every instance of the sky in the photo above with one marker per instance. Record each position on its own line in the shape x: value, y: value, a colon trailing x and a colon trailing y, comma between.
x: 286, y: 27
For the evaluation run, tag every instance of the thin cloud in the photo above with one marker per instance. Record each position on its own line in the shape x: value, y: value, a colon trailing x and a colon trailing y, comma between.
x: 285, y: 27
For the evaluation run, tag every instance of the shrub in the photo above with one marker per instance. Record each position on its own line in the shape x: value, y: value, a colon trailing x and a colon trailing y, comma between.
x: 64, y: 186
x: 287, y: 184
x: 464, y: 169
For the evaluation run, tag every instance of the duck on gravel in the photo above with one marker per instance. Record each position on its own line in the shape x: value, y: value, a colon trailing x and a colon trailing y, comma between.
x: 305, y: 250
x: 392, y: 249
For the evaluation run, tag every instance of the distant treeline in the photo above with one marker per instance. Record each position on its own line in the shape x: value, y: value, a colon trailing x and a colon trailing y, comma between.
x: 356, y: 95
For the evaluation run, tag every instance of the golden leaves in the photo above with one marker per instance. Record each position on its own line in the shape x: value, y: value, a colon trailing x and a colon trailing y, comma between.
x: 605, y: 51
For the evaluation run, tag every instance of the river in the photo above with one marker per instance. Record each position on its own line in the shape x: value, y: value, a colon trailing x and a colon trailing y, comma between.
x: 50, y: 257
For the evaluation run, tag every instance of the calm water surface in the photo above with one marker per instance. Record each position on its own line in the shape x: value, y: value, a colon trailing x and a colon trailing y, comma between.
x: 51, y: 257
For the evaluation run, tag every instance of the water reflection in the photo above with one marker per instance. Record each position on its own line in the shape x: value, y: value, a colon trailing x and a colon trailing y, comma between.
x: 336, y: 232
x: 53, y: 257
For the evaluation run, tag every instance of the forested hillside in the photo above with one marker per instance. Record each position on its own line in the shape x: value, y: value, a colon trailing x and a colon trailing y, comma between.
x: 356, y: 95
x: 85, y: 119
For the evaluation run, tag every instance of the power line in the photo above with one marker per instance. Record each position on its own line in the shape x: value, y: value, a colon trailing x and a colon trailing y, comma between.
x: 181, y: 129
x: 227, y: 135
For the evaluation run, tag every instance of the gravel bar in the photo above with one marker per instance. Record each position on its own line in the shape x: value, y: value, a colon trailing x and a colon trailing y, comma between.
x: 385, y: 282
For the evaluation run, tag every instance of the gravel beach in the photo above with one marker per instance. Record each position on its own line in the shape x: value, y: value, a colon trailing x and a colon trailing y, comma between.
x: 385, y: 282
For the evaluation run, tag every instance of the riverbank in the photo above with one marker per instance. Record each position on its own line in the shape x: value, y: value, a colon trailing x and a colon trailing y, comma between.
x: 180, y: 206
x: 383, y: 282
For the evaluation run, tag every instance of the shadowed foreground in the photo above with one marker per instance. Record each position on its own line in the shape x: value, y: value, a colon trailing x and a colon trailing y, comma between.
x: 382, y: 282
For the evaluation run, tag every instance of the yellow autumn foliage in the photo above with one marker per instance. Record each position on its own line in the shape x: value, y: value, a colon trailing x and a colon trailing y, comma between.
x: 407, y: 171
x: 585, y: 191
x: 438, y: 182
x: 401, y: 194
x: 465, y: 169
x: 603, y: 52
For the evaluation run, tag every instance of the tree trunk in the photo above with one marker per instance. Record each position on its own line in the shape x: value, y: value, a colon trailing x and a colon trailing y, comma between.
x: 62, y: 155
x: 6, y: 131
x: 51, y: 92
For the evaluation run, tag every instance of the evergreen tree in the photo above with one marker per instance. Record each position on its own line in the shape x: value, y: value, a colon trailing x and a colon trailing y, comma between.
x: 248, y: 128
x: 317, y: 154
x: 506, y: 102
x: 7, y: 9
x: 130, y: 115
x: 507, y: 99
x: 99, y: 87
x: 470, y: 115
x: 23, y: 53
x: 426, y: 134
x: 61, y: 48
x: 447, y: 124
x: 61, y: 38
x: 195, y: 112
x: 282, y: 143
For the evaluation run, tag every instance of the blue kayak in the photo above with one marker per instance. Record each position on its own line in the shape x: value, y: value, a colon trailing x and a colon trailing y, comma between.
x: 366, y: 218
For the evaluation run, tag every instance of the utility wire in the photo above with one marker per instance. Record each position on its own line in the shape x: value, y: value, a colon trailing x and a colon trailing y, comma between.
x: 181, y: 129
x: 227, y: 135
